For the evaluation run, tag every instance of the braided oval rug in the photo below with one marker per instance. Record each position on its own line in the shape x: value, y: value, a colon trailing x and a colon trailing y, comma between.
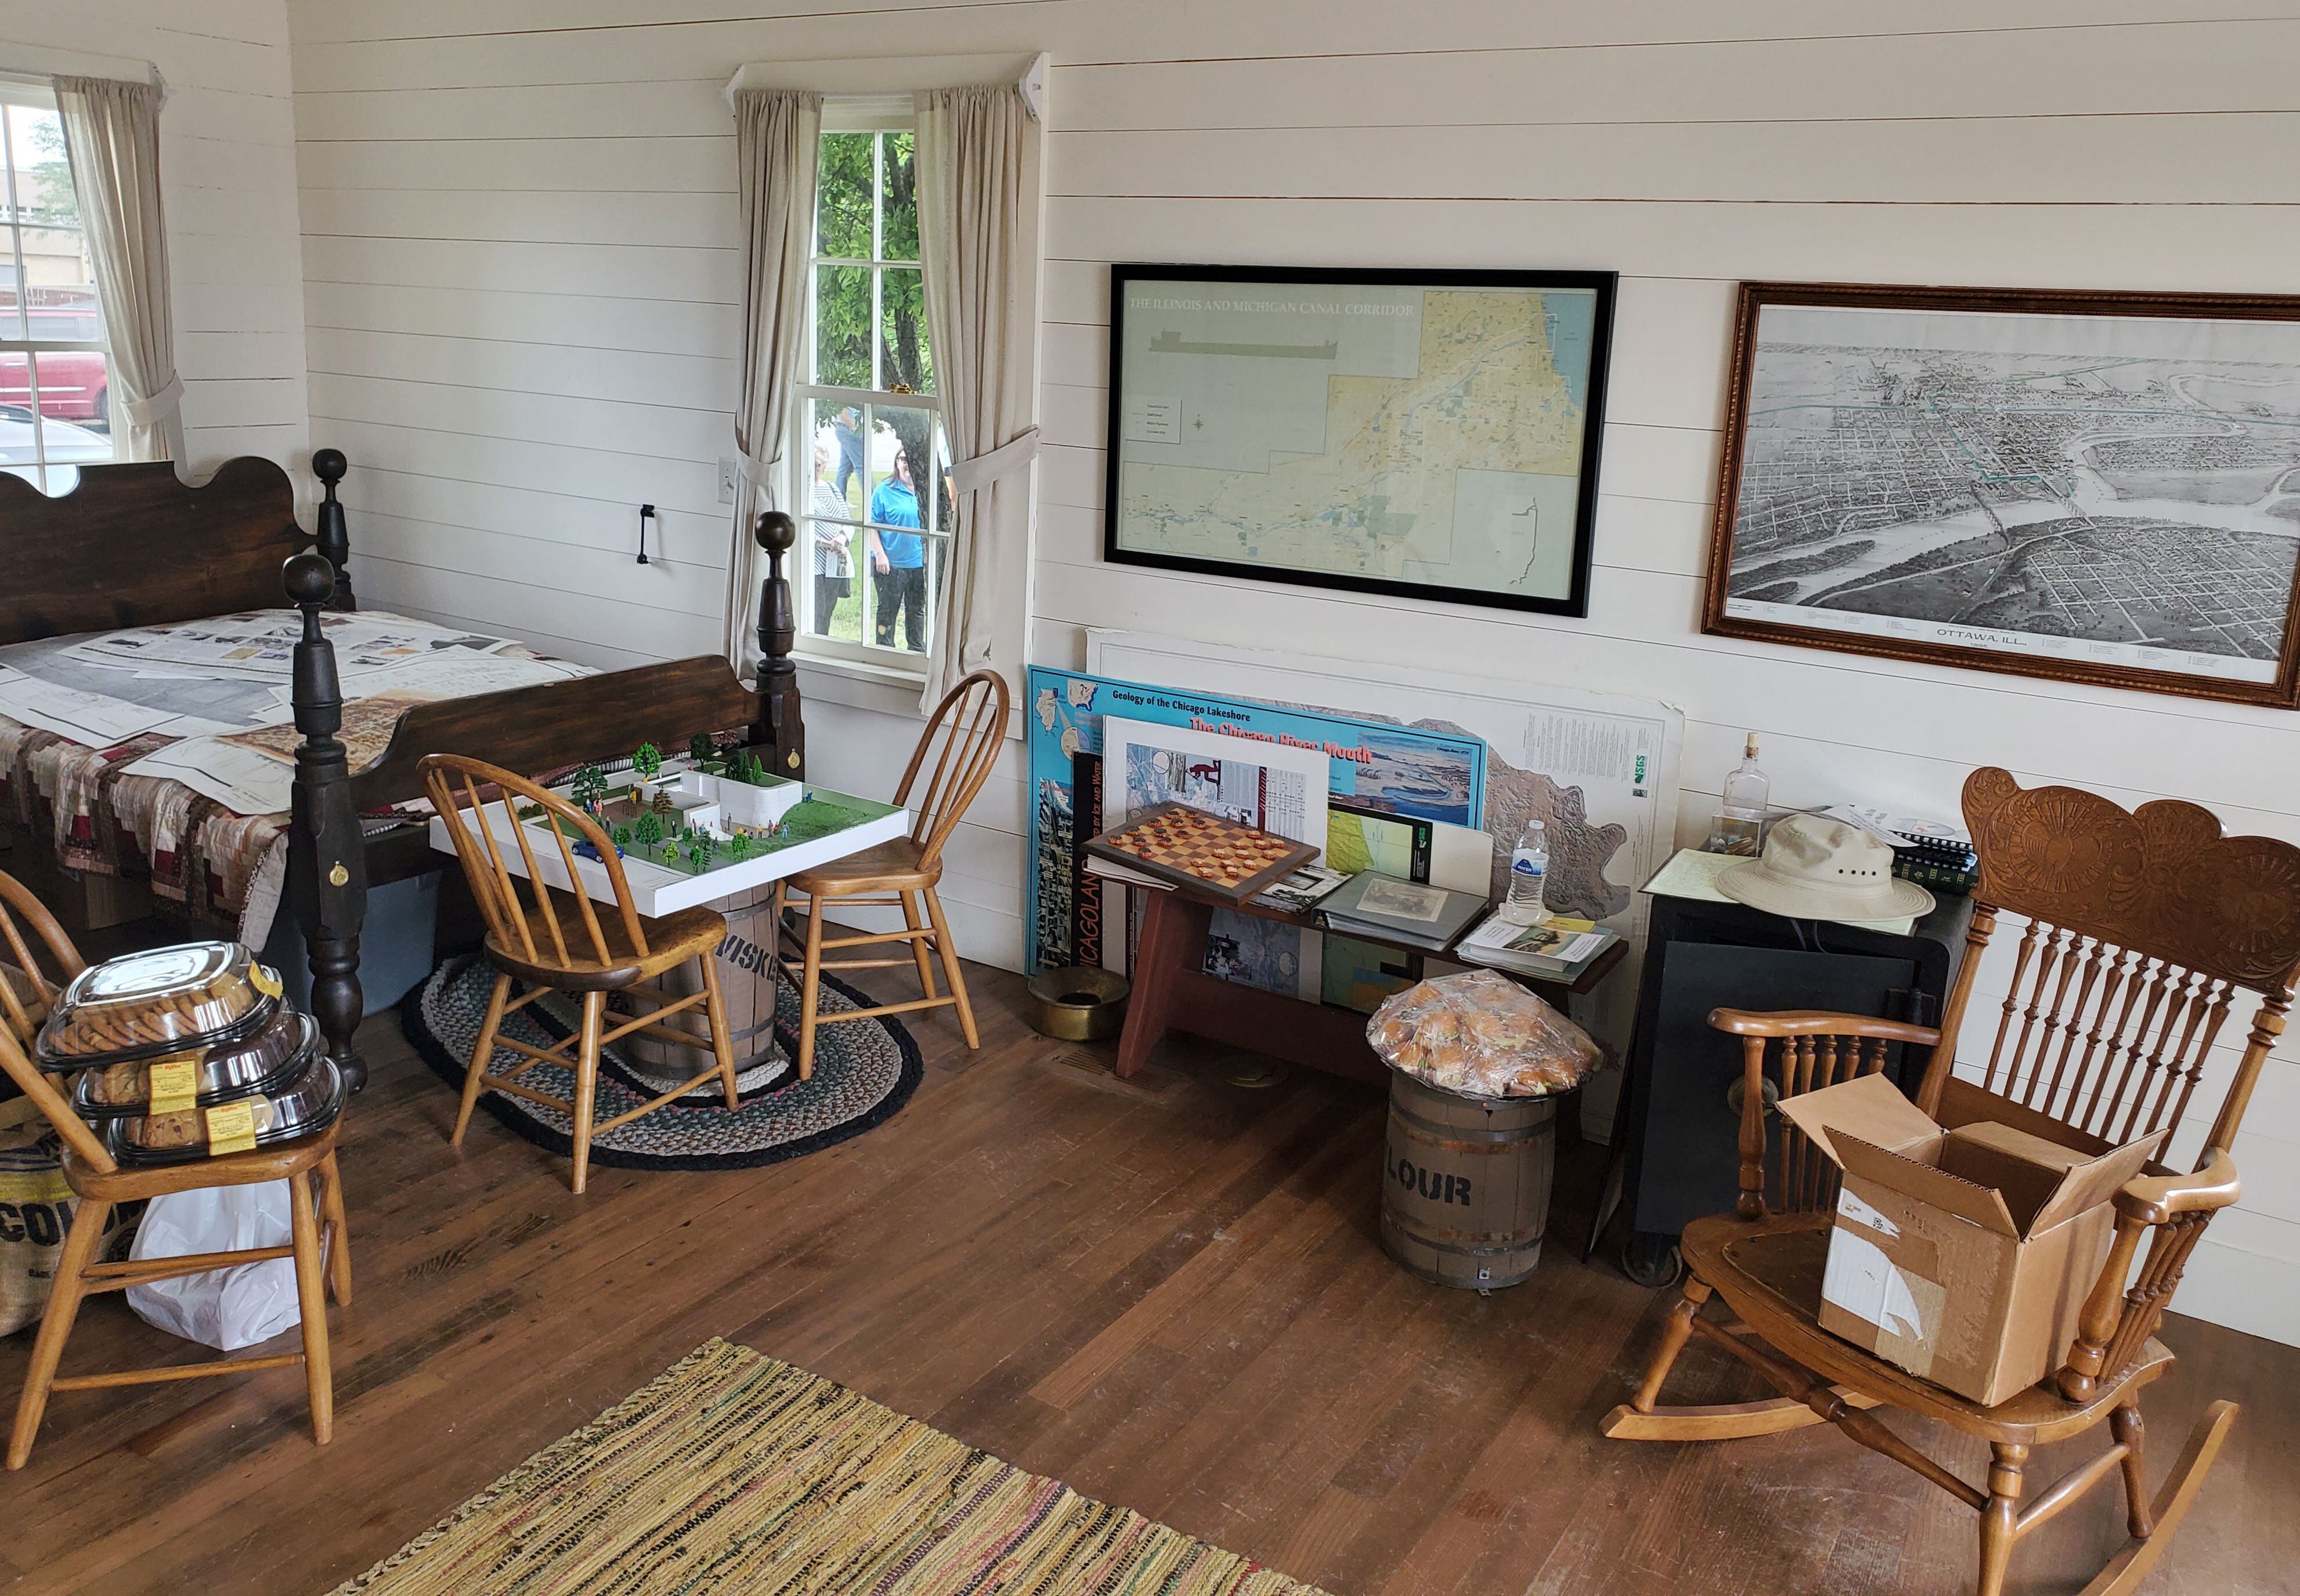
x: 864, y: 1072
x: 735, y: 1473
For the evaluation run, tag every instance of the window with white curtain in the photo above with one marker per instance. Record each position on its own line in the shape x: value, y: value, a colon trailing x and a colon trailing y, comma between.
x: 874, y: 504
x: 55, y: 389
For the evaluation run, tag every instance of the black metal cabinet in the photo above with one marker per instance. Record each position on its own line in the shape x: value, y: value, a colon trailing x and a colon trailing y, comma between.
x: 1677, y: 1153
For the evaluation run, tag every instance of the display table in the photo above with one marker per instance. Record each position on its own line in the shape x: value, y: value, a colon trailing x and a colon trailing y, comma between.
x: 1172, y: 992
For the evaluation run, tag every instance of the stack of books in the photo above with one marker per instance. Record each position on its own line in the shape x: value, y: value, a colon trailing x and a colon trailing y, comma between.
x: 1937, y: 854
x: 1555, y: 949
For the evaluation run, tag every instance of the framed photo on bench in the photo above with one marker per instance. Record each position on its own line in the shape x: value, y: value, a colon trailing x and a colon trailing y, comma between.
x: 1428, y: 434
x: 2096, y: 487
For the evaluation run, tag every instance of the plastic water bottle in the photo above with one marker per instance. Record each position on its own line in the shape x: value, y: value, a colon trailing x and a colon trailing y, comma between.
x: 1529, y: 878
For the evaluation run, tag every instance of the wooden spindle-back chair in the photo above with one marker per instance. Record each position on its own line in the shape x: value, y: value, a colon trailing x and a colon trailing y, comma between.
x: 37, y: 960
x: 546, y: 932
x: 319, y: 1237
x: 968, y: 725
x: 2141, y: 931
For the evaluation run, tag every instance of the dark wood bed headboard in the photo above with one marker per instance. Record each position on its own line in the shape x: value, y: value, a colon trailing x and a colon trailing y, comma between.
x: 132, y: 546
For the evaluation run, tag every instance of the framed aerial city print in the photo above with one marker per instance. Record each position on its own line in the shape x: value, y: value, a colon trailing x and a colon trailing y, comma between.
x: 1426, y: 434
x: 2092, y: 486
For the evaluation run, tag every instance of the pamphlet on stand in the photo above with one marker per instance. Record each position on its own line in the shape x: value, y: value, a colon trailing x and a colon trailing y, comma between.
x: 1558, y: 947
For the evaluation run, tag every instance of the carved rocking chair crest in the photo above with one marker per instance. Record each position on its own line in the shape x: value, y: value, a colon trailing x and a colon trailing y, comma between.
x: 2142, y: 931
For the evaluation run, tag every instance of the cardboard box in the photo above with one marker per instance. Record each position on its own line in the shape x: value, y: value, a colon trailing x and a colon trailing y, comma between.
x: 1962, y: 1256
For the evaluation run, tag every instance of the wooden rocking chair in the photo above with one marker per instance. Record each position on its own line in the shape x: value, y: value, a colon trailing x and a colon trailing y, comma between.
x: 2141, y: 928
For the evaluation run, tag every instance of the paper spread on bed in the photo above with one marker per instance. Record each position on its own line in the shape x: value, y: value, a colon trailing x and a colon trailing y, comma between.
x: 222, y: 687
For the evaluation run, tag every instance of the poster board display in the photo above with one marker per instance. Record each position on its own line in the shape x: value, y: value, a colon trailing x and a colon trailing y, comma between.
x: 1416, y: 773
x: 1599, y: 769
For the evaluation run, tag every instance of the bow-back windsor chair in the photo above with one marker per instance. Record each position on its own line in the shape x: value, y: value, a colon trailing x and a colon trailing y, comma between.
x: 561, y: 941
x: 969, y: 722
x: 319, y: 1238
x: 2142, y: 931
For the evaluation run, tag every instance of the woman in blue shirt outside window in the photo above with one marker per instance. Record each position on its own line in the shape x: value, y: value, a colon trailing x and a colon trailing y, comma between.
x: 898, y: 561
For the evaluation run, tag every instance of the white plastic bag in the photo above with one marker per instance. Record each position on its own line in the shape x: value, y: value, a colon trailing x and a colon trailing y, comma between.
x: 223, y: 1309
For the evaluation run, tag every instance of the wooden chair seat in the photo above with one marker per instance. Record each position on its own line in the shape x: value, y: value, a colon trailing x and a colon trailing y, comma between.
x: 893, y: 867
x: 671, y: 941
x: 131, y: 1183
x: 577, y: 946
x: 967, y: 724
x: 1769, y: 1273
x: 319, y: 1237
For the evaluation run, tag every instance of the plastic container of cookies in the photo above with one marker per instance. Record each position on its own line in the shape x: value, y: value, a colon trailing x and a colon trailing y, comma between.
x: 252, y: 1066
x: 305, y: 1106
x: 164, y: 1001
x: 1481, y: 1035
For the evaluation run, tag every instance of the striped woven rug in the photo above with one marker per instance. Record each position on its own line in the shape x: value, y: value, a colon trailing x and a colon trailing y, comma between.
x: 735, y: 1473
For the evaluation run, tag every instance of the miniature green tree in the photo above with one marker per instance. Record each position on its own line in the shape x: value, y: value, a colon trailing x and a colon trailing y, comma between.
x: 648, y: 829
x: 701, y: 850
x: 738, y: 846
x: 647, y: 759
x: 589, y: 786
x: 622, y: 835
x: 700, y: 748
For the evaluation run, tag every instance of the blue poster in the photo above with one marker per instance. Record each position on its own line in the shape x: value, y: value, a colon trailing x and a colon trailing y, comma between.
x: 1374, y: 765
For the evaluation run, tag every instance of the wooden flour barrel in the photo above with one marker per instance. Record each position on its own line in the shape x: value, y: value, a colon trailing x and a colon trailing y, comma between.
x: 1465, y: 1184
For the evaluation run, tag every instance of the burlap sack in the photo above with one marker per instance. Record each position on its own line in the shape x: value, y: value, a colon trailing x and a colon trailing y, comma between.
x: 36, y: 1214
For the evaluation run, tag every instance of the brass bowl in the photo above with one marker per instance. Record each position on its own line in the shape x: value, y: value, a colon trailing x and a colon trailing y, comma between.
x: 1076, y: 1004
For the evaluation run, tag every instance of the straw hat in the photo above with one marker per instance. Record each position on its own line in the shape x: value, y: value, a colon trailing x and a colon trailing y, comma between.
x: 1815, y: 869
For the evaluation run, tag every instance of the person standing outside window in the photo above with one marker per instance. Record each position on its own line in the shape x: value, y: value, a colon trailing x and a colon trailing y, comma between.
x: 847, y: 425
x: 833, y: 576
x: 898, y: 565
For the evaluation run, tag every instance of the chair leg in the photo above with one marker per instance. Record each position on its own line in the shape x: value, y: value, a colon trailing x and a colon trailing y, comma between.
x: 940, y: 921
x: 55, y: 1324
x: 312, y: 1297
x: 1676, y: 1330
x: 916, y: 921
x: 586, y: 1084
x: 722, y: 1046
x: 810, y: 988
x: 1999, y: 1518
x: 339, y: 1236
x: 481, y: 1055
x: 2125, y: 1424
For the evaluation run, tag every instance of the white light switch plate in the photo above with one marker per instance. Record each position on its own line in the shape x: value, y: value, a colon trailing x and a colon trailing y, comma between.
x: 730, y: 472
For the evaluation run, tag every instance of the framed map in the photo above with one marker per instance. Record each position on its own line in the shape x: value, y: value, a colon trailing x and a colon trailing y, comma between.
x: 2099, y: 487
x: 1429, y: 433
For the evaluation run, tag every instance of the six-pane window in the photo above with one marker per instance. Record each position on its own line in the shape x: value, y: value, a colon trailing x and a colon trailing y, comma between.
x: 874, y: 506
x: 55, y: 389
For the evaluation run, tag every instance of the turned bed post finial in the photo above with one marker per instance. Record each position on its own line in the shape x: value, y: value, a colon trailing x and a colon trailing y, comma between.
x: 327, y: 870
x: 334, y: 538
x: 784, y: 729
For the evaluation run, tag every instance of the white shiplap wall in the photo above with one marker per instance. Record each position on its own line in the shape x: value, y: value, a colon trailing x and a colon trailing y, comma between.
x: 521, y: 282
x: 228, y: 179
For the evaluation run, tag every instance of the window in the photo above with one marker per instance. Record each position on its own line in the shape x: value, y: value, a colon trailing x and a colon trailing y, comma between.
x: 868, y: 439
x: 54, y: 394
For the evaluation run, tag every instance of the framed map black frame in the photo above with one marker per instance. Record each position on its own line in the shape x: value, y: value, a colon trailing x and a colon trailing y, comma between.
x: 2015, y: 544
x: 1566, y: 586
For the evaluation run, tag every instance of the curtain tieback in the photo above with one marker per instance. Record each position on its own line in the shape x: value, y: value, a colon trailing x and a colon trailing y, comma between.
x: 968, y: 474
x: 150, y: 412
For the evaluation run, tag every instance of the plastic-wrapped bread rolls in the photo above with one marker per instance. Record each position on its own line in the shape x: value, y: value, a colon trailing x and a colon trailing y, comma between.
x: 1481, y: 1035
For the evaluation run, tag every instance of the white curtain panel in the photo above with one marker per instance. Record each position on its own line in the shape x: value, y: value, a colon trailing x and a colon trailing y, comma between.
x: 111, y: 139
x: 976, y: 184
x: 777, y: 140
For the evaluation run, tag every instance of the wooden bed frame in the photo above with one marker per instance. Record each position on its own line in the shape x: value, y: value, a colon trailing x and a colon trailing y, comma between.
x: 130, y: 545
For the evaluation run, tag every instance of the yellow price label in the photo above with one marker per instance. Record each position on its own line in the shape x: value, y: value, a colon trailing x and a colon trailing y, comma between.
x: 265, y: 980
x: 232, y: 1128
x: 175, y: 1084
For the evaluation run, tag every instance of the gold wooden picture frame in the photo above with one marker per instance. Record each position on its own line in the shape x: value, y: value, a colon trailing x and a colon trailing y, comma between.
x: 2086, y: 486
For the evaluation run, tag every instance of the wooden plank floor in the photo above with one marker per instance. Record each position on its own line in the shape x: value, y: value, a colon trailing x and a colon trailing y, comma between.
x: 1168, y: 1294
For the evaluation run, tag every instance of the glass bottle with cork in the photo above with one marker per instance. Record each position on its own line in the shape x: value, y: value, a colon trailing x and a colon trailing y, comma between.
x: 1738, y: 827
